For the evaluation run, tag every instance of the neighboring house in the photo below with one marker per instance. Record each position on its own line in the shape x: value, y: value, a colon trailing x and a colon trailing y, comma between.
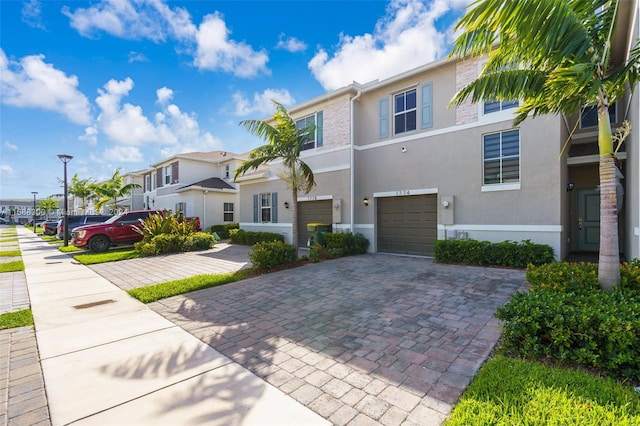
x: 135, y: 199
x: 392, y: 161
x: 197, y: 184
x: 19, y: 211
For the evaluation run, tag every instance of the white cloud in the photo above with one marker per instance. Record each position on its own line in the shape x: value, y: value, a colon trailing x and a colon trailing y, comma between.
x: 90, y: 135
x: 291, y: 44
x: 7, y: 170
x: 123, y: 154
x: 216, y: 51
x: 164, y: 95
x: 10, y: 146
x: 32, y: 83
x: 262, y: 102
x: 171, y: 129
x: 137, y: 57
x: 139, y: 19
x: 406, y: 38
x: 31, y: 14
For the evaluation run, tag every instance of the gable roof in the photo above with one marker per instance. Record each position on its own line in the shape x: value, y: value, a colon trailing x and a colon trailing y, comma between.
x: 210, y: 183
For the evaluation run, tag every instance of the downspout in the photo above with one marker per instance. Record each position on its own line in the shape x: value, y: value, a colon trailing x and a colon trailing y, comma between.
x: 204, y: 209
x: 351, y: 162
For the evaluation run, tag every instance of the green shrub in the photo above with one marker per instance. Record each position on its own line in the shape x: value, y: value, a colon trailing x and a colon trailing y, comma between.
x: 223, y: 229
x: 165, y: 224
x: 346, y: 243
x: 200, y: 241
x: 505, y: 253
x: 267, y: 254
x: 567, y: 317
x: 249, y: 238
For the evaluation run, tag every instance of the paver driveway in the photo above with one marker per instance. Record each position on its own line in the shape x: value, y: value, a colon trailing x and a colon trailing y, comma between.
x: 367, y: 339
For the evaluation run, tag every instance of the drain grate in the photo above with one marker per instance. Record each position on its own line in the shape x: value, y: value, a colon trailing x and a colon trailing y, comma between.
x: 92, y: 304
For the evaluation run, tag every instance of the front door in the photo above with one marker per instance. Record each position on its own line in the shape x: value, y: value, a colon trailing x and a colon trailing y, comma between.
x: 588, y: 220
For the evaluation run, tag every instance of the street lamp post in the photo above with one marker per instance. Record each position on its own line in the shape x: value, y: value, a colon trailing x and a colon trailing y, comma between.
x: 65, y: 159
x: 34, y: 210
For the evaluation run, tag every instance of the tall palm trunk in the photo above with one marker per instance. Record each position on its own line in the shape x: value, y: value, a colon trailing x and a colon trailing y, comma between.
x: 294, y: 216
x: 609, y: 258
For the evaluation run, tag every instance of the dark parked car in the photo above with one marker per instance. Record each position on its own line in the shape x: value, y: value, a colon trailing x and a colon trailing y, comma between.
x: 75, y: 221
x: 50, y: 227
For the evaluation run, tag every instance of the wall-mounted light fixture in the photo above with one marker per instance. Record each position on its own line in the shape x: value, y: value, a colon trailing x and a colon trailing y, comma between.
x: 365, y: 201
x: 570, y: 186
x: 403, y: 149
x: 445, y: 204
x: 286, y: 204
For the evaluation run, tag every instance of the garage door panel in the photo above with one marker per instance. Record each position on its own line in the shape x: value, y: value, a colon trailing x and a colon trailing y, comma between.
x: 407, y: 225
x: 311, y: 212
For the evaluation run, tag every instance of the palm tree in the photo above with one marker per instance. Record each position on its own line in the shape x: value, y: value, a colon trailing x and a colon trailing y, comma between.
x: 555, y: 57
x: 285, y: 142
x: 81, y: 188
x: 111, y: 190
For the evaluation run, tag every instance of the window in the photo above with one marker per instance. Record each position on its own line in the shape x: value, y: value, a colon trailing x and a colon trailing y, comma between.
x: 154, y: 181
x: 228, y: 212
x: 496, y: 106
x: 181, y: 207
x: 384, y: 118
x: 501, y: 157
x: 589, y: 116
x: 147, y: 183
x: 404, y: 112
x: 167, y: 174
x: 265, y: 207
x: 312, y: 139
x: 227, y: 171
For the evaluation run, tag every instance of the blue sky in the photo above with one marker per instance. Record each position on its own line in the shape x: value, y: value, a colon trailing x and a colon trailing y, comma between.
x: 126, y: 83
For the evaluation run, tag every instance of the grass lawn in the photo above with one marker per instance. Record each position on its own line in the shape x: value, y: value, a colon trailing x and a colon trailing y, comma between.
x: 9, y: 253
x: 21, y: 318
x: 16, y: 265
x: 509, y: 391
x: 156, y: 292
x: 8, y: 239
x: 109, y: 256
x: 68, y: 249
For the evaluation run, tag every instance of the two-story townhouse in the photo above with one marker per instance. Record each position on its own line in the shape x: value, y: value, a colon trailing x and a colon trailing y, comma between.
x: 393, y: 161
x: 197, y: 184
x: 265, y: 198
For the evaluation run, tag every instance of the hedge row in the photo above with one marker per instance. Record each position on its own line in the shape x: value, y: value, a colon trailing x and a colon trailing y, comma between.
x: 249, y: 238
x: 482, y: 253
x: 565, y: 316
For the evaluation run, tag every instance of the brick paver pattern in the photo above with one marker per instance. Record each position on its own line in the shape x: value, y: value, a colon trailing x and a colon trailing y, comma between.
x: 23, y: 399
x: 374, y: 339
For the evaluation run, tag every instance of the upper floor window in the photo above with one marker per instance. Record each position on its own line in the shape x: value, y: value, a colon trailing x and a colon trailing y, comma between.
x: 495, y: 106
x: 501, y: 157
x: 404, y: 111
x: 154, y: 181
x: 312, y: 139
x: 147, y: 183
x: 227, y: 171
x: 167, y: 174
x: 589, y: 116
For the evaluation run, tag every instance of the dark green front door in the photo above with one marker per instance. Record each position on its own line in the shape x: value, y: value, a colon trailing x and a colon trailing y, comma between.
x: 588, y: 220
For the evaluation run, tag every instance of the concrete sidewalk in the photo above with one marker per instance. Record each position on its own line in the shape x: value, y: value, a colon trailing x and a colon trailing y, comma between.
x: 108, y: 359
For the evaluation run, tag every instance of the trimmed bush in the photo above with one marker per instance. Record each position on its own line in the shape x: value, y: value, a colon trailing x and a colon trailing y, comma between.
x: 567, y: 317
x: 223, y: 229
x: 505, y: 253
x: 338, y: 245
x: 200, y: 241
x: 249, y: 238
x: 267, y: 254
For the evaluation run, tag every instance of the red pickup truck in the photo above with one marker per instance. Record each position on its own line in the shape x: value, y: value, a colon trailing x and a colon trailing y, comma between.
x: 117, y: 230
